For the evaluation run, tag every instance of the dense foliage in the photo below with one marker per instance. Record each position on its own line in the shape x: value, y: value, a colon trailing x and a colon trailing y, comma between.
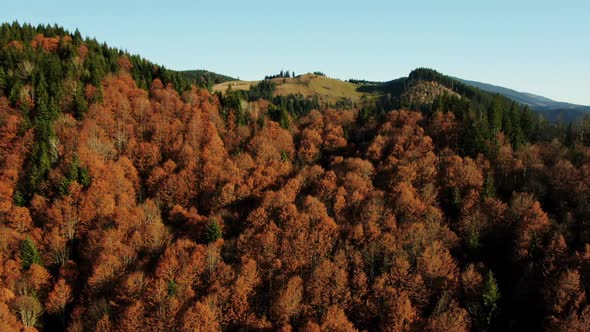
x: 204, y: 78
x: 166, y: 209
x: 46, y: 72
x: 482, y: 114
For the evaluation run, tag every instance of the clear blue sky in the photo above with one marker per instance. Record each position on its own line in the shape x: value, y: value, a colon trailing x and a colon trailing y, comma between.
x: 539, y: 46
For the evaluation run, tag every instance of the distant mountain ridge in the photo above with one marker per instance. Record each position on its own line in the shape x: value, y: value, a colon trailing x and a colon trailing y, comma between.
x: 550, y: 109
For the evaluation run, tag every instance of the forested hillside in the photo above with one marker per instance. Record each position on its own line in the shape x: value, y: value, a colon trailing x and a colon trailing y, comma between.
x: 132, y: 199
x: 204, y: 78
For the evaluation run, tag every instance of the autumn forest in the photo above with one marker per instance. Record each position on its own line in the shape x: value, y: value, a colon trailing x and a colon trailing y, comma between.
x: 137, y: 198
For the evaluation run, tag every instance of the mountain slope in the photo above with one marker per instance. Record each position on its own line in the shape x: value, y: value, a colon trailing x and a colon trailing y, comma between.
x: 521, y: 97
x: 550, y: 109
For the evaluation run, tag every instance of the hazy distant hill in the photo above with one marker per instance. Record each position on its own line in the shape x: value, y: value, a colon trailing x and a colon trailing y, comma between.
x: 550, y: 109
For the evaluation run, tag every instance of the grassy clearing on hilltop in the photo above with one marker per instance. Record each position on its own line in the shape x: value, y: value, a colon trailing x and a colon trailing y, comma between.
x: 328, y: 89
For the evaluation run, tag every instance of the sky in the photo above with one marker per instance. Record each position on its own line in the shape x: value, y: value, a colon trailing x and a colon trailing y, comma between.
x: 541, y: 47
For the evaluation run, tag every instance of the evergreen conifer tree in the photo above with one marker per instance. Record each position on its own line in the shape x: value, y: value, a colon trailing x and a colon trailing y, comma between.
x: 29, y: 254
x: 212, y: 231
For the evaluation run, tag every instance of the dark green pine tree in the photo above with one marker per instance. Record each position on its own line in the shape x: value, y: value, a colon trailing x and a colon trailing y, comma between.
x: 172, y: 287
x: 515, y: 132
x: 526, y: 123
x: 77, y: 37
x: 280, y: 115
x: 232, y: 102
x: 474, y: 135
x: 29, y: 254
x: 212, y: 231
x: 2, y: 80
x: 490, y: 299
x: 41, y: 93
x: 507, y: 126
x: 80, y: 105
x: 495, y: 116
x: 489, y: 189
x: 43, y: 152
x: 468, y: 134
x: 570, y: 136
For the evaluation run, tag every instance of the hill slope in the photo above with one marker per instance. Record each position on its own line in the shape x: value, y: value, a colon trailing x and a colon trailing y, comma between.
x: 551, y: 109
x: 424, y: 93
x: 329, y: 90
x: 205, y: 78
